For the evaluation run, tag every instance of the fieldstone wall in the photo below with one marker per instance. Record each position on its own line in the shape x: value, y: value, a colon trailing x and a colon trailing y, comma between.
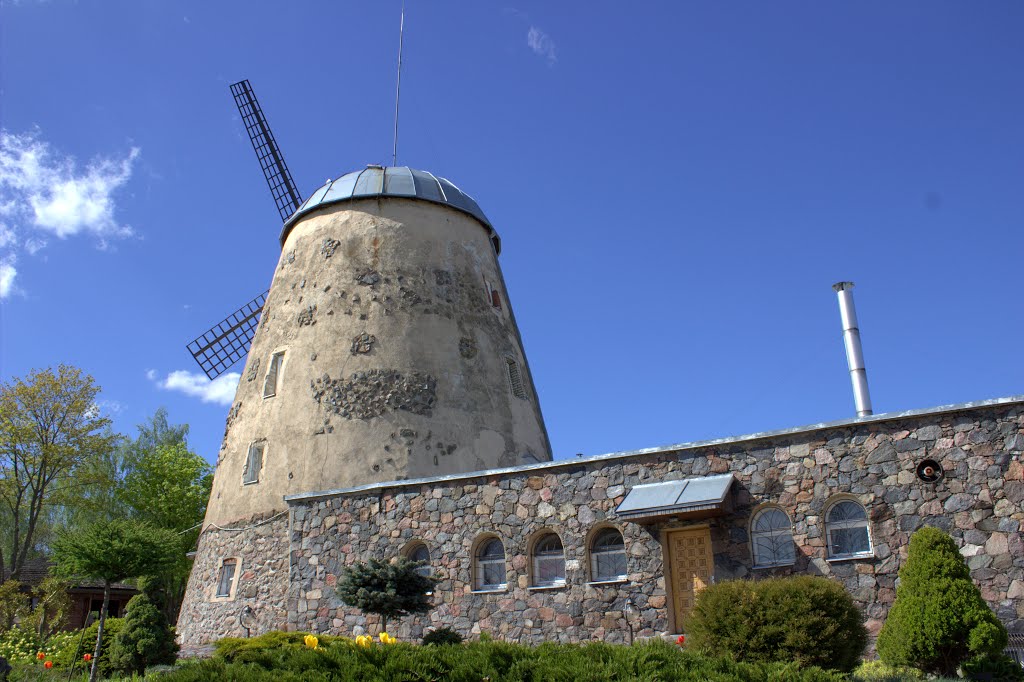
x: 262, y: 582
x: 978, y: 501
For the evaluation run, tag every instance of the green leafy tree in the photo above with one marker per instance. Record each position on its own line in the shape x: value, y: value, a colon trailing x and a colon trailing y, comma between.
x: 53, y: 606
x: 146, y: 638
x: 939, y: 619
x: 168, y: 487
x: 112, y: 551
x: 388, y: 589
x: 13, y: 603
x: 50, y: 428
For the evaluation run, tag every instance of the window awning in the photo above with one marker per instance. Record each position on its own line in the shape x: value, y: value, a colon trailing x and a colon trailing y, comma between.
x: 693, y: 498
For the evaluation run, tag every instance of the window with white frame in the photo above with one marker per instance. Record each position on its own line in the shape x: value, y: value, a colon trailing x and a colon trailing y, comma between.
x: 548, y: 561
x: 419, y: 552
x: 490, y: 565
x: 771, y: 535
x: 846, y: 526
x: 607, y: 556
x: 254, y: 462
x: 226, y: 579
x: 273, y: 370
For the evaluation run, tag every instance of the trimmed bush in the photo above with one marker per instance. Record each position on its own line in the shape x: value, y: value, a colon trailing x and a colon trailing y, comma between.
x: 442, y: 636
x: 808, y: 620
x: 344, y: 661
x: 998, y: 668
x: 145, y: 639
x: 939, y: 619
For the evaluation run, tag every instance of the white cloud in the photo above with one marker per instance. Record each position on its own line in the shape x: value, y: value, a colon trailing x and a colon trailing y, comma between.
x: 45, y: 194
x: 7, y: 274
x: 220, y: 391
x: 542, y: 44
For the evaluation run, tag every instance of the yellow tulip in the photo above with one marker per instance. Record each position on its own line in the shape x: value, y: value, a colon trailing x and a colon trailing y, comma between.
x: 311, y: 641
x: 385, y: 638
x: 364, y: 640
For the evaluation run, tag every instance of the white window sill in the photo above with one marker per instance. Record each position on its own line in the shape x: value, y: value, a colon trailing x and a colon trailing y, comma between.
x: 849, y: 557
x: 543, y: 588
x: 765, y: 567
x: 249, y: 483
x: 609, y: 581
x: 491, y: 590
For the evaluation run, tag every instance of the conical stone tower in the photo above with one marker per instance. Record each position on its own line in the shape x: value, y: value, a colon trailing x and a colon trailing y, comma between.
x: 387, y: 350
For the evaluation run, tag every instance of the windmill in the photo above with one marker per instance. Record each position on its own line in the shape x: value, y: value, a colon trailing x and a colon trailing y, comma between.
x: 228, y: 341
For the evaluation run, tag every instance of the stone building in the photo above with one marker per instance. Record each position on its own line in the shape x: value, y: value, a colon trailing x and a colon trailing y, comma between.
x: 387, y: 409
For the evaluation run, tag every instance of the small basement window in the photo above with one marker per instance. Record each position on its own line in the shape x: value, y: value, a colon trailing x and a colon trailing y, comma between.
x: 515, y: 379
x: 253, y: 463
x: 227, y: 577
x: 270, y: 383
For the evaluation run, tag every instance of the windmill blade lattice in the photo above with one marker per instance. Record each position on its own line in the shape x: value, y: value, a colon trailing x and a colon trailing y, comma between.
x: 227, y: 342
x: 275, y: 170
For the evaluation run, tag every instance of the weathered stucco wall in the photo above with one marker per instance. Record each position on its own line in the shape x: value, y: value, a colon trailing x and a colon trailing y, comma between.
x: 394, y: 360
x: 979, y: 502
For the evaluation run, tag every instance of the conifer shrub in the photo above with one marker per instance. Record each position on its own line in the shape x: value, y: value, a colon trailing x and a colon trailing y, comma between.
x: 145, y: 639
x: 442, y: 636
x: 939, y: 619
x: 809, y: 620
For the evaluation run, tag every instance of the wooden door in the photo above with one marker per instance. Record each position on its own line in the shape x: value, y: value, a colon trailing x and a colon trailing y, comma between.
x: 691, y: 564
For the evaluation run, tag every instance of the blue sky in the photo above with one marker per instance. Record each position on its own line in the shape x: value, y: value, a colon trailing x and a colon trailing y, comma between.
x: 677, y: 186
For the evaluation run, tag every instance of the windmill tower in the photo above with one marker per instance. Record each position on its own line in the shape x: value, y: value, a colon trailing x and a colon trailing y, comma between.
x: 385, y: 349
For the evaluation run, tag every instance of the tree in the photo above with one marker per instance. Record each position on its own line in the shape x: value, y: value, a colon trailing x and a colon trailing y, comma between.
x: 49, y: 427
x: 390, y: 590
x: 939, y: 619
x: 112, y: 551
x: 168, y: 486
x: 52, y: 607
x: 146, y: 638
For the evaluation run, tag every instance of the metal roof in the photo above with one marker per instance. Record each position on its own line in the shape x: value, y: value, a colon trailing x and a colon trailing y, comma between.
x: 679, y: 448
x: 393, y: 181
x: 673, y: 497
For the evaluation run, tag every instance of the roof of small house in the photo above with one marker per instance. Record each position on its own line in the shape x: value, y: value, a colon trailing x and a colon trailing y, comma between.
x: 35, y: 571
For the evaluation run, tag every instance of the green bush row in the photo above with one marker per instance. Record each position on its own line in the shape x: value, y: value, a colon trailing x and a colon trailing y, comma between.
x: 280, y: 657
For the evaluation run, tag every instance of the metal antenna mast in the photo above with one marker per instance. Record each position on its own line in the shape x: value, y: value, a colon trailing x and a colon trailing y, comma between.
x: 398, y: 89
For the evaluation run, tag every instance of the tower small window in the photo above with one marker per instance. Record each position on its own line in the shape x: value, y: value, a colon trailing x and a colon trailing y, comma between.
x: 253, y: 463
x: 270, y: 383
x: 227, y: 577
x: 495, y: 299
x: 515, y: 379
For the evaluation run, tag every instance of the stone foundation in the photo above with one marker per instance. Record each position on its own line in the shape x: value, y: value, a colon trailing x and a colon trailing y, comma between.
x: 261, y: 545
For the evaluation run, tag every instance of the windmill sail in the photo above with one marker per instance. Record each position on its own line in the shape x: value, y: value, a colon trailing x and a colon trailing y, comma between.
x: 275, y: 170
x: 227, y: 342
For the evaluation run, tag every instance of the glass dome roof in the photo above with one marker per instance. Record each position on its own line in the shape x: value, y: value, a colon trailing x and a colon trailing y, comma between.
x: 393, y: 181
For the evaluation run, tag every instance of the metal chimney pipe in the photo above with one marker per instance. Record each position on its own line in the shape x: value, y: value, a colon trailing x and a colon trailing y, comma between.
x: 854, y: 353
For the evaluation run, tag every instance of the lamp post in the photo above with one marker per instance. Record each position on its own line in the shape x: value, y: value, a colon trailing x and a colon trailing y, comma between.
x: 628, y: 609
x: 245, y: 616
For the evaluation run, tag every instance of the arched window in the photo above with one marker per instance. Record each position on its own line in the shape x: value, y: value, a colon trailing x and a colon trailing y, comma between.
x: 607, y: 556
x: 490, y: 565
x: 771, y: 535
x: 548, y: 561
x: 846, y: 525
x: 419, y: 552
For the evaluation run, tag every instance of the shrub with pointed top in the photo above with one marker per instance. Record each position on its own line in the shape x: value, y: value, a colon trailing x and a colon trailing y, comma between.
x: 939, y: 619
x: 390, y: 590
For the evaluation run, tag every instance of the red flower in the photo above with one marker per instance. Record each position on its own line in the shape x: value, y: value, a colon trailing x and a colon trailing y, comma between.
x: 48, y: 665
x: 682, y: 640
x: 87, y: 658
x: 40, y: 656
